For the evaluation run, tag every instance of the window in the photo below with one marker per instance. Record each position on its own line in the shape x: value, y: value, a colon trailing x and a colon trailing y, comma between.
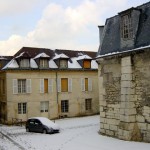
x: 63, y: 63
x: 87, y: 64
x: 24, y: 63
x: 64, y: 106
x: 46, y: 85
x: 86, y: 84
x: 44, y: 106
x: 126, y: 26
x: 88, y: 104
x: 22, y: 108
x: 21, y: 86
x: 43, y: 63
x: 64, y: 85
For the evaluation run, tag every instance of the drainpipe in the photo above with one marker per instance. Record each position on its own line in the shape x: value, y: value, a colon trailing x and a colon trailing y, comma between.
x: 57, y: 93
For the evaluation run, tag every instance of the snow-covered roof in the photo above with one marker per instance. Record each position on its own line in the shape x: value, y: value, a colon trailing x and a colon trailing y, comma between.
x: 57, y: 56
x: 2, y: 58
x: 73, y: 58
x: 84, y: 57
x: 12, y: 64
x: 74, y: 63
x: 127, y: 51
x: 20, y: 55
x: 41, y: 55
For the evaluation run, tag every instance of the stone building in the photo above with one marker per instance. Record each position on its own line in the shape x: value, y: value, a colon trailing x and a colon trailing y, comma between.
x: 50, y: 83
x: 124, y: 75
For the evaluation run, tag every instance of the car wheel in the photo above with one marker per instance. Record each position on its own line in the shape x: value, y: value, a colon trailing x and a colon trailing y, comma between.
x: 44, y: 131
x: 27, y: 130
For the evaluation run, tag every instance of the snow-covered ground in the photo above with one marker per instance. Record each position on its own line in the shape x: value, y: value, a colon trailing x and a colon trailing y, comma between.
x: 76, y: 134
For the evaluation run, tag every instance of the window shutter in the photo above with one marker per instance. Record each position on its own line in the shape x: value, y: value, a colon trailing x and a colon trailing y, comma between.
x: 28, y: 85
x: 90, y: 84
x: 59, y: 85
x: 50, y: 85
x: 82, y: 84
x: 69, y: 85
x: 41, y: 85
x: 15, y: 86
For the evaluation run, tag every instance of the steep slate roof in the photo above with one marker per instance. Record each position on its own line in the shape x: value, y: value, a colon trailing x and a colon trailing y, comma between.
x: 33, y: 51
x: 111, y: 40
x: 71, y: 53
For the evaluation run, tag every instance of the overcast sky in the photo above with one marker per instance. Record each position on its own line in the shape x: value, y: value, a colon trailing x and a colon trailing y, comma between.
x: 56, y: 24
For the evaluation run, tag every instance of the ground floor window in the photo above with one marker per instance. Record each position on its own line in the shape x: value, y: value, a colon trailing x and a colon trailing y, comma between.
x: 88, y: 104
x: 44, y: 106
x: 64, y: 106
x: 22, y: 108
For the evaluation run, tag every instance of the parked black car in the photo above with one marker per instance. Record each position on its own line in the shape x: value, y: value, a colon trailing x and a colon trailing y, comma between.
x: 41, y: 124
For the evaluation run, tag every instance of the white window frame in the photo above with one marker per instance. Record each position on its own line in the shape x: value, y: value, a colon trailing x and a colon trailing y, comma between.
x: 64, y: 106
x: 69, y: 84
x: 24, y: 63
x: 23, y: 90
x: 22, y: 108
x: 126, y: 26
x: 44, y: 63
x: 83, y: 84
x: 44, y: 106
x: 50, y: 85
x: 63, y: 63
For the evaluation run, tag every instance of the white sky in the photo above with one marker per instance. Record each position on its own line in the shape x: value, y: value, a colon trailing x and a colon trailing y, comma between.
x: 64, y: 24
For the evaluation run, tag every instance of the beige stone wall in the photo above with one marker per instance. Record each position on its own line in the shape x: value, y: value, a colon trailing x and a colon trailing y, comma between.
x: 125, y: 97
x: 76, y: 97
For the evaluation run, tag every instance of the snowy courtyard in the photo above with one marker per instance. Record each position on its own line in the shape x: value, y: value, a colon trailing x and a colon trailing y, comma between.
x: 76, y: 134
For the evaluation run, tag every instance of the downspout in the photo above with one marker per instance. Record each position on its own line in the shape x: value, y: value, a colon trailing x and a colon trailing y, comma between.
x: 57, y: 94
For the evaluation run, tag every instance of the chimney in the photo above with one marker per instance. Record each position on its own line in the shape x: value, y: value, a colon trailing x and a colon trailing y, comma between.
x: 101, y: 29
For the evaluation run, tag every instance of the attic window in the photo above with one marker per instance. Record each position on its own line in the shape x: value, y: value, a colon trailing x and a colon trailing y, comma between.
x: 63, y: 63
x: 24, y: 63
x: 126, y: 26
x: 87, y: 64
x: 43, y: 63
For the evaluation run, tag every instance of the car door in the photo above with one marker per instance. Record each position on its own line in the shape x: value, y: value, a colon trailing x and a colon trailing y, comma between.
x: 31, y: 125
x: 38, y: 126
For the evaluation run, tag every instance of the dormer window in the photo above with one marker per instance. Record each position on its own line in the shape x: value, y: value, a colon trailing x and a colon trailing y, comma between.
x: 43, y: 63
x: 63, y: 63
x: 24, y: 63
x: 87, y: 64
x: 126, y: 26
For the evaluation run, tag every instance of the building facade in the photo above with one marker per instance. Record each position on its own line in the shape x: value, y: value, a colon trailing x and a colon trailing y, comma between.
x: 49, y: 83
x: 124, y: 73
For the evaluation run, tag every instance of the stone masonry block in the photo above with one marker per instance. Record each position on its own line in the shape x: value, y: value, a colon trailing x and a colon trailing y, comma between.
x: 113, y: 121
x: 102, y: 114
x: 126, y: 84
x: 126, y: 61
x: 126, y: 70
x: 142, y: 126
x: 128, y: 119
x: 103, y: 120
x: 102, y: 103
x: 113, y: 127
x: 101, y: 109
x: 106, y: 126
x: 140, y: 118
x: 126, y: 77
